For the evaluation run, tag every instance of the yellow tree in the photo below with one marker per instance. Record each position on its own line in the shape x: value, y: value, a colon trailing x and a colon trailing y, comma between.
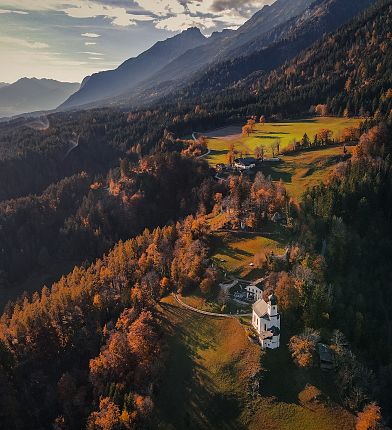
x: 247, y: 130
x: 325, y: 135
x: 251, y: 123
x: 369, y: 418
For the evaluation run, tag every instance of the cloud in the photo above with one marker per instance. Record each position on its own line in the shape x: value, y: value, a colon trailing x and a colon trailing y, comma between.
x: 91, y: 35
x: 22, y: 43
x: 118, y: 15
x: 173, y: 15
x: 182, y: 22
x: 162, y: 7
x: 91, y: 53
x: 18, y: 12
x: 177, y: 15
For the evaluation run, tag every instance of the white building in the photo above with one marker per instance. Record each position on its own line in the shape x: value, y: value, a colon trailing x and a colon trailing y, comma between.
x: 254, y: 291
x: 266, y: 321
x: 247, y: 163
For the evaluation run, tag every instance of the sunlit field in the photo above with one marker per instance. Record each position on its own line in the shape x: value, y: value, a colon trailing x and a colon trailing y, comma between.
x: 239, y: 253
x: 220, y: 140
x: 307, y: 169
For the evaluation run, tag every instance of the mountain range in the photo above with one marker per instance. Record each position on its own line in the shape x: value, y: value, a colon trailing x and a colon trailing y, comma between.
x: 192, y: 63
x: 114, y: 82
x: 29, y: 95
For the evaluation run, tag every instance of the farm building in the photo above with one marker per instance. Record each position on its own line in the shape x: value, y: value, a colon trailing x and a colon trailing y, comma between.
x: 327, y: 361
x: 247, y: 163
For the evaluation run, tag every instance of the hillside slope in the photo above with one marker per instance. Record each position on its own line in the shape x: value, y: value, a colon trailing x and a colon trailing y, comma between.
x: 164, y: 63
x: 266, y: 52
x: 322, y: 17
x: 349, y: 70
x: 110, y: 83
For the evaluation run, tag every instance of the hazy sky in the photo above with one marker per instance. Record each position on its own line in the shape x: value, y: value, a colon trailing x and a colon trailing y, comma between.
x: 69, y: 39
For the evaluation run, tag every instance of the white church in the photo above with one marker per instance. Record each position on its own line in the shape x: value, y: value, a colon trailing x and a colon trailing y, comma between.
x: 266, y: 321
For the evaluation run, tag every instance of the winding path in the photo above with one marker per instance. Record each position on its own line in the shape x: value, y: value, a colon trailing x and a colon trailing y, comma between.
x: 203, y: 155
x: 209, y: 314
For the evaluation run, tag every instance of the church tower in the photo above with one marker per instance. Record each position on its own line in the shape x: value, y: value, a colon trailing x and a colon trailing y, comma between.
x: 272, y: 306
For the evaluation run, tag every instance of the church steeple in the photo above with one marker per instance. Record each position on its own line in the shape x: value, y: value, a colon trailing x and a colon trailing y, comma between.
x: 272, y: 305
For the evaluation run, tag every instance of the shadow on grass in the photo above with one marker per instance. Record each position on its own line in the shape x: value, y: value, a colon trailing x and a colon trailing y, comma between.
x: 266, y: 137
x: 216, y: 152
x: 277, y: 175
x: 188, y: 397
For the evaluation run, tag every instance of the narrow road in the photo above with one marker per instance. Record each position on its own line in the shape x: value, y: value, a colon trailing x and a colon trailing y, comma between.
x: 204, y: 155
x: 209, y: 314
x: 74, y: 144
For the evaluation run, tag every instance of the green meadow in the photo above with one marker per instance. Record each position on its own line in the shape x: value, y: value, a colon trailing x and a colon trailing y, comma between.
x: 241, y: 253
x: 307, y: 169
x: 267, y: 134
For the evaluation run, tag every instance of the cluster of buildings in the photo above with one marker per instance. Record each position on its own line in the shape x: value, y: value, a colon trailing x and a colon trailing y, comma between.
x: 265, y: 315
x: 247, y: 164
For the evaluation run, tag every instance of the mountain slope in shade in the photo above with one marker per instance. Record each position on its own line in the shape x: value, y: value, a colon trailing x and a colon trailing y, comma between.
x: 177, y: 65
x: 114, y: 82
x: 257, y: 30
x: 3, y: 84
x: 287, y: 41
x: 28, y: 95
x: 260, y: 54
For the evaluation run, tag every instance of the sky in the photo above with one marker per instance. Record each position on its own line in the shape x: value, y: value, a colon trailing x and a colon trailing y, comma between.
x: 70, y: 39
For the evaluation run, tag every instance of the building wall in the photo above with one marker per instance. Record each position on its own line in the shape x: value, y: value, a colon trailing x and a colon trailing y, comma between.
x: 258, y: 294
x: 262, y: 325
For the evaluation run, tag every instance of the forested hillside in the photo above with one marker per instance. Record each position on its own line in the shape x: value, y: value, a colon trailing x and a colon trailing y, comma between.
x: 122, y: 194
x: 349, y: 69
x: 79, y: 219
x: 88, y: 351
x: 349, y: 221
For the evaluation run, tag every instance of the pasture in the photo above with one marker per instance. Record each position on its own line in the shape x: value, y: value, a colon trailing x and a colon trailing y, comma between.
x: 305, y: 169
x: 241, y: 253
x: 220, y: 140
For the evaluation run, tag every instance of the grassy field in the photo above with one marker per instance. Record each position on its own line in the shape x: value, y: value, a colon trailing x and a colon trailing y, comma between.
x: 306, y: 169
x: 268, y: 133
x: 236, y: 251
x: 206, y: 383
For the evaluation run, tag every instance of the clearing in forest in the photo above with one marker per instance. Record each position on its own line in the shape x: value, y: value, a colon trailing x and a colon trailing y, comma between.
x: 241, y: 253
x: 266, y: 134
x: 305, y: 169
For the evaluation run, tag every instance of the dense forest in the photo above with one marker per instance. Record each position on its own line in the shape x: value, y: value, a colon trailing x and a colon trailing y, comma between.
x: 349, y: 220
x: 80, y: 218
x: 348, y: 70
x: 87, y: 352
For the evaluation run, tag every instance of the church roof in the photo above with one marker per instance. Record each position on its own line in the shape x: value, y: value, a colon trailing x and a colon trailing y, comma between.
x: 260, y: 308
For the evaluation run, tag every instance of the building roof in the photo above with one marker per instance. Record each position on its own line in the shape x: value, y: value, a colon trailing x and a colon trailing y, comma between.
x: 258, y: 283
x: 260, y: 308
x: 247, y: 161
x: 325, y: 352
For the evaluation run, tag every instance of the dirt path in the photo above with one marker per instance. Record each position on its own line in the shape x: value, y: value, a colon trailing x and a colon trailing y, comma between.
x: 209, y: 314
